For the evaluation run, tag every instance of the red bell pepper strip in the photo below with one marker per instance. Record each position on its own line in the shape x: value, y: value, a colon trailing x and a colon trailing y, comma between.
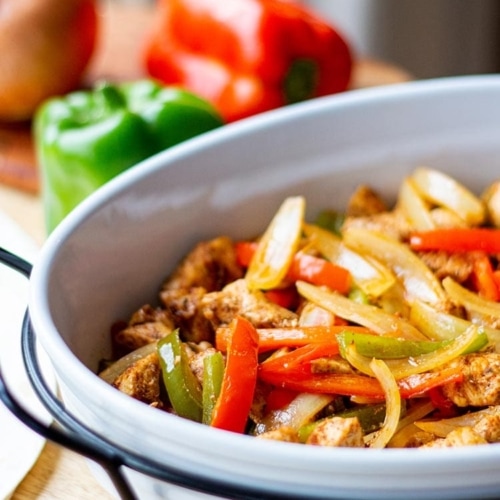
x: 274, y: 338
x: 284, y: 297
x: 278, y: 398
x: 304, y: 267
x: 483, y: 277
x: 240, y: 377
x: 298, y: 361
x: 361, y: 385
x: 247, y: 56
x: 457, y: 240
x: 319, y: 272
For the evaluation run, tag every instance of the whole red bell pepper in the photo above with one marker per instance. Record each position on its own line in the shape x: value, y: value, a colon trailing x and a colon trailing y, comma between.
x: 247, y: 56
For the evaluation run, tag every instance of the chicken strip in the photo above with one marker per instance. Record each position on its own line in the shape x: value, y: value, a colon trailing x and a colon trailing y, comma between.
x: 236, y: 299
x: 337, y: 431
x: 141, y: 380
x: 481, y: 383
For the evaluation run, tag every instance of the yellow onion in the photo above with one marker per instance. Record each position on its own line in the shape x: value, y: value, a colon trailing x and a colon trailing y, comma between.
x: 406, y: 425
x: 419, y: 281
x: 368, y: 274
x: 445, y: 191
x: 414, y: 207
x: 366, y: 315
x: 111, y: 373
x: 438, y: 325
x: 380, y: 438
x: 277, y: 246
x: 299, y: 412
x: 475, y: 304
x: 442, y: 427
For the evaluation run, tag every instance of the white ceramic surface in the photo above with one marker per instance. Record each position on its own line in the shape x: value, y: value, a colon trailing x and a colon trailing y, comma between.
x: 112, y: 253
x: 19, y: 446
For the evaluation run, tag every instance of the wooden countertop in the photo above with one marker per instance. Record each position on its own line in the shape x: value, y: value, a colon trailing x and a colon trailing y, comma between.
x: 59, y: 473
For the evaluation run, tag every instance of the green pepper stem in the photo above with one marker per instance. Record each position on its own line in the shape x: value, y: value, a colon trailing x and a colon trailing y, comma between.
x: 110, y: 96
x: 301, y: 80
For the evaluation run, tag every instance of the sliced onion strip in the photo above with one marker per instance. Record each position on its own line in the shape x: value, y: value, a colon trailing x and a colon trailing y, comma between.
x: 278, y: 245
x: 367, y: 315
x: 382, y: 372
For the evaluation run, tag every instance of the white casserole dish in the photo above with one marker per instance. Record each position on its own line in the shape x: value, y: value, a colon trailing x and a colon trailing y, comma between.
x: 112, y: 253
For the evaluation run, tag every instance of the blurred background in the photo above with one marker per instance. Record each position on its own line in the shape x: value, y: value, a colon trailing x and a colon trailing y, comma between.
x: 429, y: 38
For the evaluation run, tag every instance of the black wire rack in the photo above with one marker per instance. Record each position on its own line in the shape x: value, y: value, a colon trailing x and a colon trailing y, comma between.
x: 68, y: 431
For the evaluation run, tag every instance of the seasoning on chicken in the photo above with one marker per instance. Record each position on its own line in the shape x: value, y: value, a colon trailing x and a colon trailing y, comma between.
x: 146, y: 325
x: 337, y: 431
x: 210, y: 265
x: 207, y: 268
x: 481, y: 383
x: 456, y: 265
x: 236, y: 299
x: 365, y: 201
x: 141, y: 380
x: 393, y: 224
x: 284, y: 433
x: 461, y: 436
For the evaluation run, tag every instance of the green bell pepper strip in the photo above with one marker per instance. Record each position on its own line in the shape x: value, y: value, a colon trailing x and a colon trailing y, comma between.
x: 376, y: 346
x: 84, y: 139
x: 213, y: 372
x: 183, y: 388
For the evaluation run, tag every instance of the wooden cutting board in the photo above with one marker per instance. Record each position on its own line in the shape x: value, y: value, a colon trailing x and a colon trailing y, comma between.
x: 124, y: 28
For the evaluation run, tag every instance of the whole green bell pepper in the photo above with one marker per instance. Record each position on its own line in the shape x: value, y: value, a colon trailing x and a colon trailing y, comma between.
x: 87, y: 137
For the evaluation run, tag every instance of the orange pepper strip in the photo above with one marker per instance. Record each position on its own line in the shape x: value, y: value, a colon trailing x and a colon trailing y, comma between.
x: 240, y: 377
x: 457, y: 240
x: 483, y: 277
x: 361, y: 385
x: 304, y: 267
x: 274, y: 338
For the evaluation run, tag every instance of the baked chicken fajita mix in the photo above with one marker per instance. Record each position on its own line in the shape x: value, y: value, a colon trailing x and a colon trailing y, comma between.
x: 376, y: 327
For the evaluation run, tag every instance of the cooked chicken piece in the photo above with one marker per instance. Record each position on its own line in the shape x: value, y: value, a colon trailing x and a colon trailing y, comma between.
x: 419, y: 438
x: 186, y: 308
x: 210, y: 265
x: 331, y: 365
x: 196, y: 361
x: 132, y: 337
x: 284, y: 433
x: 337, y: 431
x: 393, y: 224
x: 481, y: 383
x: 141, y: 380
x: 150, y: 314
x: 365, y: 201
x: 489, y: 428
x: 443, y: 264
x: 236, y: 299
x: 207, y: 268
x: 461, y: 436
x: 146, y: 325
